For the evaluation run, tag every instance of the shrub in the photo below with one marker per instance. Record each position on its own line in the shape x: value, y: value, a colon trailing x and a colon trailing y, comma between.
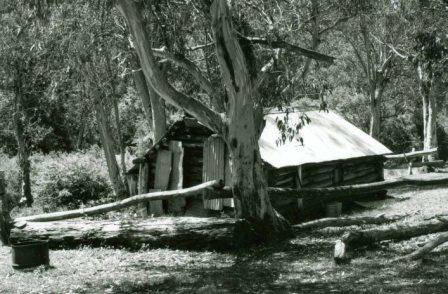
x: 12, y: 175
x: 70, y: 180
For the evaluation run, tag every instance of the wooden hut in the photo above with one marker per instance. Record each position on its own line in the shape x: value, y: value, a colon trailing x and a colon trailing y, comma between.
x: 328, y: 151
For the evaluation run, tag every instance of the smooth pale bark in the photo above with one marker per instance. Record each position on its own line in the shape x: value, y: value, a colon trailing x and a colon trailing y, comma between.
x: 155, y: 76
x: 249, y: 186
x: 376, y: 73
x: 429, y: 108
x: 22, y: 149
x: 158, y: 114
x: 109, y: 150
x: 153, y: 105
x: 143, y: 93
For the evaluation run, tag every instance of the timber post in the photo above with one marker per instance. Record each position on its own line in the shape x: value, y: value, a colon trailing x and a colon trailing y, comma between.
x: 6, y: 222
x: 411, y: 163
x: 142, y: 185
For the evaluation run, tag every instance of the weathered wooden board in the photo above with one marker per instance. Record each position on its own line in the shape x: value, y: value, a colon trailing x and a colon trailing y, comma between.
x: 132, y: 184
x: 176, y: 178
x: 142, y: 188
x: 162, y: 177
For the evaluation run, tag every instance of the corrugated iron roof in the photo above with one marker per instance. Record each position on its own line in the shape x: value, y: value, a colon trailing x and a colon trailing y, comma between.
x: 327, y: 137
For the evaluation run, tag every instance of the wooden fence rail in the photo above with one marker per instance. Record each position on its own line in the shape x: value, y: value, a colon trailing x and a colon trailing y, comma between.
x: 131, y: 201
x: 411, y: 157
x: 412, y: 154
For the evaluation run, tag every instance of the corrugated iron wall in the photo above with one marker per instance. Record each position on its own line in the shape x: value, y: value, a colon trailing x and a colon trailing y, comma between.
x: 214, y: 168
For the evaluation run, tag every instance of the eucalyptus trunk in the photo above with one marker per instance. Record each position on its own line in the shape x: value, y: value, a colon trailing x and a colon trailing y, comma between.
x: 109, y: 150
x: 153, y: 105
x: 249, y: 185
x: 22, y: 150
x: 429, y: 108
x: 239, y: 128
x: 376, y: 94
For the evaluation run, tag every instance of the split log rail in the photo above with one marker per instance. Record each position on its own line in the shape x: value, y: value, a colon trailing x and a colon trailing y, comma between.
x: 413, y: 155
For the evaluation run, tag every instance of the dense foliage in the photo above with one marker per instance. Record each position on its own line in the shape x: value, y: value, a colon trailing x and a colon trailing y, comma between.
x: 64, y: 57
x: 57, y: 39
x: 62, y: 180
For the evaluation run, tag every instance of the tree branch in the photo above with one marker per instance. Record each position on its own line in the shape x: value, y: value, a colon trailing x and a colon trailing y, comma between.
x: 190, y: 67
x: 294, y: 48
x: 154, y: 75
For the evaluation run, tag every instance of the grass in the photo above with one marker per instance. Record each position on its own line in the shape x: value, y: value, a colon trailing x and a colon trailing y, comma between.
x: 301, y: 265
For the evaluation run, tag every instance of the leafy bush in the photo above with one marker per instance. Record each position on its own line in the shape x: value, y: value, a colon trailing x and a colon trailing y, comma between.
x: 70, y: 180
x: 12, y: 175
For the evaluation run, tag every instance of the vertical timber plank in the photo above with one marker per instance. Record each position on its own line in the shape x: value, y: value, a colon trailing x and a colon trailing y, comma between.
x: 132, y: 185
x: 228, y: 179
x: 142, y: 187
x: 213, y: 167
x: 161, y: 180
x: 299, y: 186
x: 176, y: 180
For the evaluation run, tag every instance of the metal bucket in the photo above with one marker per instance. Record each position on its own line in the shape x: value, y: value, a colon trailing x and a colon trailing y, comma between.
x: 334, y: 209
x: 30, y: 254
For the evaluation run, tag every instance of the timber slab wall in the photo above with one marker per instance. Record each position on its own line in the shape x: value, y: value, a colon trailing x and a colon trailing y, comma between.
x: 321, y: 175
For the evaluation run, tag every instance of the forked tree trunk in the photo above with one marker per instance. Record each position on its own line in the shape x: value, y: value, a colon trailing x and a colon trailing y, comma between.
x: 248, y: 182
x: 429, y: 107
x: 241, y: 136
x: 109, y: 151
x: 22, y: 150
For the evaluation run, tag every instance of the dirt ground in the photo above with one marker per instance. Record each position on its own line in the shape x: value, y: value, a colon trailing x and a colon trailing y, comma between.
x: 301, y: 265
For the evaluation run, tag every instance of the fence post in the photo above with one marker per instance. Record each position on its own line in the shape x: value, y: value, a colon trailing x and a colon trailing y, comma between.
x: 5, y: 210
x: 410, y: 164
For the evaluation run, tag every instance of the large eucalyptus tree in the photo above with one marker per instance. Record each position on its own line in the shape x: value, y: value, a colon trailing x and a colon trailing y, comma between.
x: 239, y: 115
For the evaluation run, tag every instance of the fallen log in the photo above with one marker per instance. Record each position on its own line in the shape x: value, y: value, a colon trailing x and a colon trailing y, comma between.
x: 345, y: 221
x: 122, y: 203
x: 428, y: 247
x: 356, y: 239
x: 187, y: 233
